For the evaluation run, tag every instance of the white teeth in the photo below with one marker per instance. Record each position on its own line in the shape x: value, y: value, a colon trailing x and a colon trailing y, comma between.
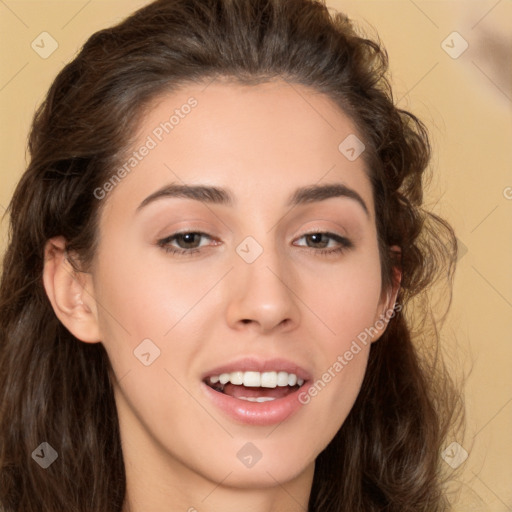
x: 237, y: 378
x: 257, y: 379
x: 257, y: 398
x: 268, y: 379
x: 282, y: 379
x: 252, y: 379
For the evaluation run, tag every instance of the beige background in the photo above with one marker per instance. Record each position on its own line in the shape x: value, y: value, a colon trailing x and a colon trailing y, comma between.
x: 466, y: 103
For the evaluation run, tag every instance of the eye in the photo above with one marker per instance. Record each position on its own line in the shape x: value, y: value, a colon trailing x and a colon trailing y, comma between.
x: 321, y: 242
x: 188, y: 242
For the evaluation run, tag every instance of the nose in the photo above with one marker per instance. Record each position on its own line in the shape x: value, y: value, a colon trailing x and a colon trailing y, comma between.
x: 262, y: 295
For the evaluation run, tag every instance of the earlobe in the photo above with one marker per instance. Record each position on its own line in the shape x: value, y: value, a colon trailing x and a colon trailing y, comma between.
x: 70, y: 292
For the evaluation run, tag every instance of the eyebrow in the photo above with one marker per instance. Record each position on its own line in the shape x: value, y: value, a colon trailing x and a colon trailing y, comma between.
x: 222, y: 196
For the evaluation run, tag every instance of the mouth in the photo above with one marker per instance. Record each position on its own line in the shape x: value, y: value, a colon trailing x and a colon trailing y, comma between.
x: 256, y: 392
x: 255, y: 386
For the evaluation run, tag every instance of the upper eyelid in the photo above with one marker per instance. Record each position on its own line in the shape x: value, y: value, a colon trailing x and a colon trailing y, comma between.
x: 204, y: 233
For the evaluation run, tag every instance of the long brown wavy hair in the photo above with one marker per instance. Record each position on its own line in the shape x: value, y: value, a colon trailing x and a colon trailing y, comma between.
x: 54, y: 388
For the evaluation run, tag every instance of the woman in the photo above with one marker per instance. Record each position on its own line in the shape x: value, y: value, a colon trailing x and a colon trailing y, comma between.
x: 212, y: 254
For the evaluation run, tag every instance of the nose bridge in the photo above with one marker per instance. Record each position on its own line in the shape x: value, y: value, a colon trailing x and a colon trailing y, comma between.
x: 262, y: 284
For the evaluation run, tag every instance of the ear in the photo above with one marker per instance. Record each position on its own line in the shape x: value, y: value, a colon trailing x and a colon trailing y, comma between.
x: 387, y: 306
x: 70, y: 292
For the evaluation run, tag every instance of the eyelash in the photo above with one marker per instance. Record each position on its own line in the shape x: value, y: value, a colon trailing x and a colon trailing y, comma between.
x: 345, y: 243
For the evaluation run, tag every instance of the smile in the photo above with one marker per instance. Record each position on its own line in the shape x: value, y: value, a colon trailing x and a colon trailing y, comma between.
x: 248, y: 385
x: 256, y: 397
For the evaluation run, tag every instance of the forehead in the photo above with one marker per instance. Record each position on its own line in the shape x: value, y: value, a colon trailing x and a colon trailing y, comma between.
x: 288, y: 111
x: 256, y: 139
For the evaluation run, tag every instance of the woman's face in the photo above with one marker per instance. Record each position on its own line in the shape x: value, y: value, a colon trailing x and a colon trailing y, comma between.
x: 273, y: 282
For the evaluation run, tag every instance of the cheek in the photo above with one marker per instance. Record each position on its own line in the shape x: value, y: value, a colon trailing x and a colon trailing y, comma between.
x: 347, y: 305
x: 157, y: 310
x: 345, y: 298
x: 145, y: 300
x: 147, y: 324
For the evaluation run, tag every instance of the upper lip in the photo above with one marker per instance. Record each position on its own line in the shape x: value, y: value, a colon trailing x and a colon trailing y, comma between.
x: 255, y: 364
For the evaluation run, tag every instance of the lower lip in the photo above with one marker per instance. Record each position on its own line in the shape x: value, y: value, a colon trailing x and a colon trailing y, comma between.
x: 256, y: 413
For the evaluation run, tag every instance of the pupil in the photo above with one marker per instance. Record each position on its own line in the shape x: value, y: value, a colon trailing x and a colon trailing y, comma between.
x: 317, y: 239
x: 188, y: 238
